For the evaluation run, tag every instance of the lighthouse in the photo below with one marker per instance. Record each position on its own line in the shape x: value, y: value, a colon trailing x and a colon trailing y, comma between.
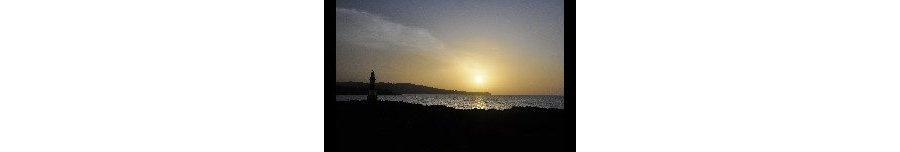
x: 373, y: 94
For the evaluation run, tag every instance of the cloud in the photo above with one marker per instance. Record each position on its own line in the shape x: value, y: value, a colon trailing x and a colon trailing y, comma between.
x: 356, y: 28
x: 367, y: 41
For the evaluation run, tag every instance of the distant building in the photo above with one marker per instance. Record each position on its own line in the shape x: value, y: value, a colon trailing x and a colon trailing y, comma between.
x: 373, y: 94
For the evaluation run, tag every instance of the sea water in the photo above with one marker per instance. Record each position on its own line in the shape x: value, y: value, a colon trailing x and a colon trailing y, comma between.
x: 471, y: 101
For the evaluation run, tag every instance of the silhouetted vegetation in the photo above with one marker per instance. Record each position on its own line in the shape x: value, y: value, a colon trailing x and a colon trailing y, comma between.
x: 399, y: 126
x: 360, y: 88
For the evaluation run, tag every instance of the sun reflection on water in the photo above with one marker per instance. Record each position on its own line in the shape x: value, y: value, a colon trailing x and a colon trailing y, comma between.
x: 479, y: 102
x: 499, y: 102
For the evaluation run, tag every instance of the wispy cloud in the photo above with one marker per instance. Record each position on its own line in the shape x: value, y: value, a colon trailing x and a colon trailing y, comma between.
x: 373, y: 31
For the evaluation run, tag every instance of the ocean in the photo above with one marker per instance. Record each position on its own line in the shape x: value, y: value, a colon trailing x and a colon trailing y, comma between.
x: 471, y: 101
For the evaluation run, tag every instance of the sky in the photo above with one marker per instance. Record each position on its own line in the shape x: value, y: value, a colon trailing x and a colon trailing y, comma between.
x: 506, y: 47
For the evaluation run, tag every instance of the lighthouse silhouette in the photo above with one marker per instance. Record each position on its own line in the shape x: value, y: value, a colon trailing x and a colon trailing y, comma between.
x: 373, y: 94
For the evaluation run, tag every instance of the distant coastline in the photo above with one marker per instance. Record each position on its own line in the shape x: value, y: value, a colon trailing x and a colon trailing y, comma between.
x: 360, y: 88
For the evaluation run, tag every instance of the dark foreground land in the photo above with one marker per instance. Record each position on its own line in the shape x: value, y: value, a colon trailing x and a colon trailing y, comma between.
x: 399, y: 126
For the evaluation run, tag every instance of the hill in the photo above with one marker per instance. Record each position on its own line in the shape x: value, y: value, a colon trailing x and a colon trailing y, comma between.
x: 360, y: 88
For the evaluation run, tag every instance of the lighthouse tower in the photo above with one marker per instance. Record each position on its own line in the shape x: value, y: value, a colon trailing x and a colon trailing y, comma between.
x: 373, y: 94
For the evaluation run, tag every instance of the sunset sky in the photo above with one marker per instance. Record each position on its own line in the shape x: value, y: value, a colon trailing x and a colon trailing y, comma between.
x: 506, y: 47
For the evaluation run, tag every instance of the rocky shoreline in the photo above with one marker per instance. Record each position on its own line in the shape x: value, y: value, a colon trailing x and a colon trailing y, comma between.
x: 400, y: 126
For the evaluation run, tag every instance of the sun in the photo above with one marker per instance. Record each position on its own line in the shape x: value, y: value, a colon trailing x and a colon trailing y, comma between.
x: 479, y: 79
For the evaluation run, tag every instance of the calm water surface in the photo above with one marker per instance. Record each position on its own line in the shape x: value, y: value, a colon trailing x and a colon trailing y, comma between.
x: 471, y: 101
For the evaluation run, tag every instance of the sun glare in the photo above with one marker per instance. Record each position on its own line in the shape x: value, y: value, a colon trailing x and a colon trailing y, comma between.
x: 479, y: 79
